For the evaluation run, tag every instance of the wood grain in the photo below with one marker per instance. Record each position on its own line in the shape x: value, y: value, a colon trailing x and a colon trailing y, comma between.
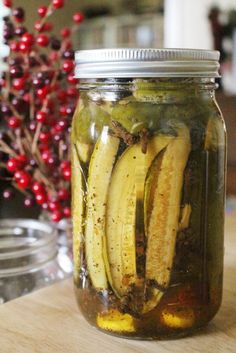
x: 48, y: 321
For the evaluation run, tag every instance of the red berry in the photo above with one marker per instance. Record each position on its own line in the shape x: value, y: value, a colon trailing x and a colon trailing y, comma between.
x: 54, y: 206
x: 8, y: 31
x: 72, y: 80
x: 67, y: 212
x: 55, y: 43
x: 28, y: 202
x: 56, y: 216
x: 38, y: 82
x: 64, y: 165
x: 38, y: 26
x: 38, y: 188
x: 12, y: 165
x: 48, y: 26
x: 62, y: 96
x: 41, y: 198
x: 72, y: 92
x: 22, y: 160
x: 57, y: 137
x: 66, y: 173
x: 19, y: 31
x: 24, y: 48
x: 27, y: 98
x: 70, y: 110
x: 18, y: 84
x: 14, y: 122
x: 52, y: 160
x: 27, y: 38
x: 41, y: 117
x: 44, y: 147
x: 68, y: 54
x: 65, y: 32
x: 64, y: 147
x: 32, y: 126
x: 15, y: 46
x: 61, y: 125
x: 46, y: 155
x: 17, y: 163
x: 63, y: 194
x: 19, y: 14
x: 42, y: 92
x: 68, y: 66
x: 45, y: 206
x: 5, y: 109
x: 7, y: 3
x: 51, y: 120
x: 32, y: 162
x: 57, y: 4
x: 78, y: 17
x: 42, y: 11
x: 44, y: 137
x: 63, y: 110
x: 8, y: 194
x: 68, y: 45
x: 17, y: 175
x: 16, y: 71
x: 24, y: 180
x: 42, y: 40
x: 53, y: 56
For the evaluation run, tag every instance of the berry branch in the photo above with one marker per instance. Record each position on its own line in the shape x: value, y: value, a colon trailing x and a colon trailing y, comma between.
x: 39, y: 96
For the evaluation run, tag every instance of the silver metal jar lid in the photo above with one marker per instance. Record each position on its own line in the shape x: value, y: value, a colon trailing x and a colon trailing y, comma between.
x: 122, y: 63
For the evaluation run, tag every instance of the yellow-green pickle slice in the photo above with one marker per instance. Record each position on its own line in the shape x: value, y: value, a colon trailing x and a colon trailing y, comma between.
x: 127, y: 185
x: 113, y: 320
x: 77, y: 208
x: 100, y: 170
x: 162, y: 224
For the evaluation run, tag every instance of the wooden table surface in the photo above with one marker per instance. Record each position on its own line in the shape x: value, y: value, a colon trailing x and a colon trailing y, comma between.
x: 48, y: 321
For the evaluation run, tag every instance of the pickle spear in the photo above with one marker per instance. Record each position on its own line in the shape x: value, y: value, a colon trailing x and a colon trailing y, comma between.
x: 215, y: 135
x: 100, y: 169
x: 88, y: 122
x: 77, y: 208
x: 127, y: 185
x: 162, y: 226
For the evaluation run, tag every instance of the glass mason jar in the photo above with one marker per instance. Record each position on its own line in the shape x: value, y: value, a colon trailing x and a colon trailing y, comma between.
x: 29, y: 257
x: 148, y: 161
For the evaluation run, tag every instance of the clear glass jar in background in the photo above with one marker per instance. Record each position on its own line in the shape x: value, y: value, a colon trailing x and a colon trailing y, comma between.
x: 29, y: 257
x: 148, y: 189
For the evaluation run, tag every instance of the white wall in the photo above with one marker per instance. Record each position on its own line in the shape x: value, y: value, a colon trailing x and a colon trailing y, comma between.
x: 186, y: 22
x: 4, y: 50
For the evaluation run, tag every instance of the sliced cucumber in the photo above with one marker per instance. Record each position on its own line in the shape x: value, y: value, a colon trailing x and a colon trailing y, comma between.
x: 126, y: 188
x: 163, y: 222
x: 99, y: 175
x: 77, y: 209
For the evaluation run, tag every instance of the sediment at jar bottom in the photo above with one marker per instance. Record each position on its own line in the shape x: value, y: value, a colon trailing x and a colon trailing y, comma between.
x: 178, y: 314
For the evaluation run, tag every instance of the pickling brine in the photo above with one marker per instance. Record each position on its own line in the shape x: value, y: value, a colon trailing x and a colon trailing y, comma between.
x: 148, y: 187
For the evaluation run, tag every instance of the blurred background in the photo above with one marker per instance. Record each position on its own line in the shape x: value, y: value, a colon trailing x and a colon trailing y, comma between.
x: 208, y: 24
